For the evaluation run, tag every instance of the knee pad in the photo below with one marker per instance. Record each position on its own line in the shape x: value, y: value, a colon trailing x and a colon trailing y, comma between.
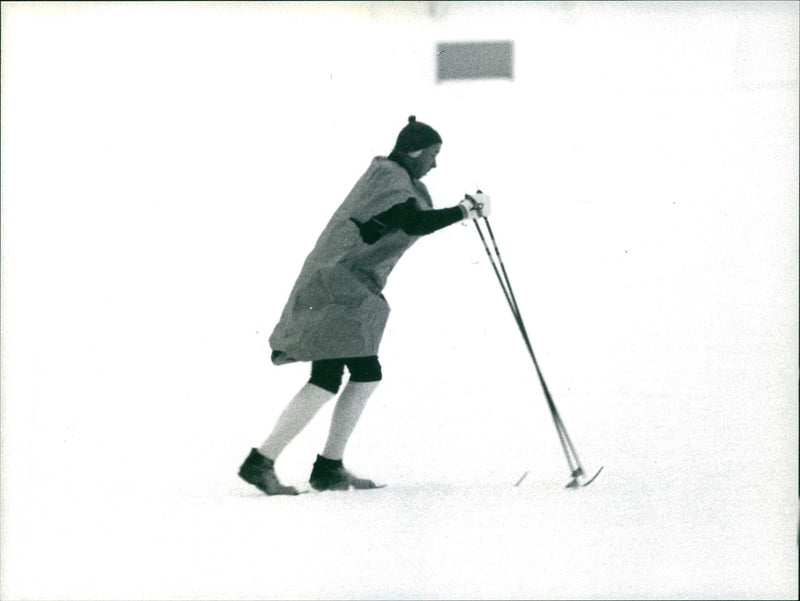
x: 364, y: 369
x: 327, y: 374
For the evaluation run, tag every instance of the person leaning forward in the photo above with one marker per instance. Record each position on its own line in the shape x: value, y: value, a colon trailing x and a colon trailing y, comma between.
x: 336, y: 313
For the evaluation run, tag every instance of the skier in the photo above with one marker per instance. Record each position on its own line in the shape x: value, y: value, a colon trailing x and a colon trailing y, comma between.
x: 336, y: 314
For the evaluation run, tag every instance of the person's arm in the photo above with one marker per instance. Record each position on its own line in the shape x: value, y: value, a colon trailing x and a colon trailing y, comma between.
x: 414, y: 221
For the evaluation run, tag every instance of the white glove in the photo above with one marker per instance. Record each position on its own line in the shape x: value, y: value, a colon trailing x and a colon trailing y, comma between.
x: 477, y: 205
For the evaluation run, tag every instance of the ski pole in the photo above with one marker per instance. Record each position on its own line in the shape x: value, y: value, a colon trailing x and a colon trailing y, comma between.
x: 569, y: 450
x: 573, y: 461
x: 577, y: 469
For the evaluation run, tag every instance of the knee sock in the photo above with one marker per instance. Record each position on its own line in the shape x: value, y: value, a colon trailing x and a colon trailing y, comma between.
x: 296, y: 416
x: 346, y: 414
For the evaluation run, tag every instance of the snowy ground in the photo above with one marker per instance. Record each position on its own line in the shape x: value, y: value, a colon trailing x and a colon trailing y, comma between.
x: 164, y: 175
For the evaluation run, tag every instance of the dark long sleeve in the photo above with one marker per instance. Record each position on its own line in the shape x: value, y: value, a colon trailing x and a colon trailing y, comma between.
x: 408, y: 217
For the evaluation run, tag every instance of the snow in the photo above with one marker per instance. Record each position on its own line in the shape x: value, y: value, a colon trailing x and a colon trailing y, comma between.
x: 165, y: 171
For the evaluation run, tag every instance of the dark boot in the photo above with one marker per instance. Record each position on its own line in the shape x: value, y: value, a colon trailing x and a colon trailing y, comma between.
x: 260, y: 472
x: 329, y: 474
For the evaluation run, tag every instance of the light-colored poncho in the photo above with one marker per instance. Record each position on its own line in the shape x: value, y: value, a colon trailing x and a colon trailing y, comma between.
x: 336, y: 308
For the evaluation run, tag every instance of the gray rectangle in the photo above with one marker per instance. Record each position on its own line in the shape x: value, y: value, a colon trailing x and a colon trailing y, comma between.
x: 475, y: 60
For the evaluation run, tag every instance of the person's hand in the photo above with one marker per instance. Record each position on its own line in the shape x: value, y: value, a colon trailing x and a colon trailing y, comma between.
x: 477, y: 205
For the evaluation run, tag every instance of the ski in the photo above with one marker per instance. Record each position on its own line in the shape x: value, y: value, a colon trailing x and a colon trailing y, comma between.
x: 351, y: 487
x: 576, y: 478
x: 590, y: 480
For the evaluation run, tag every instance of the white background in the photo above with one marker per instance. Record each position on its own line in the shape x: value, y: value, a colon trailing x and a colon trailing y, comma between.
x: 167, y: 167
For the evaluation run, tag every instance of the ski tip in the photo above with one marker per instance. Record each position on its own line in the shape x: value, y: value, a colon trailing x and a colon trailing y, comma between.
x: 590, y: 480
x: 578, y: 482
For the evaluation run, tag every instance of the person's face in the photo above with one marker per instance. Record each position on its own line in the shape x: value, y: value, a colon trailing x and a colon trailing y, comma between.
x: 425, y: 161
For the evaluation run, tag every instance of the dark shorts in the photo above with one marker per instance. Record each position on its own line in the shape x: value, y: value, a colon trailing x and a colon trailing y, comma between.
x: 327, y: 373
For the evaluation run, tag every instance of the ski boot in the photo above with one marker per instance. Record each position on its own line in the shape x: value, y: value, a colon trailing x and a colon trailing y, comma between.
x: 260, y: 472
x: 329, y: 474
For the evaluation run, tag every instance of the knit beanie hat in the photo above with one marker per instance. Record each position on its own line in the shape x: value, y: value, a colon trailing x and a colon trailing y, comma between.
x: 416, y: 136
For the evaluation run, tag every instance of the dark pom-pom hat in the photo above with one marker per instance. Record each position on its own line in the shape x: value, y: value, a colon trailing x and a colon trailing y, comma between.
x: 416, y: 136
